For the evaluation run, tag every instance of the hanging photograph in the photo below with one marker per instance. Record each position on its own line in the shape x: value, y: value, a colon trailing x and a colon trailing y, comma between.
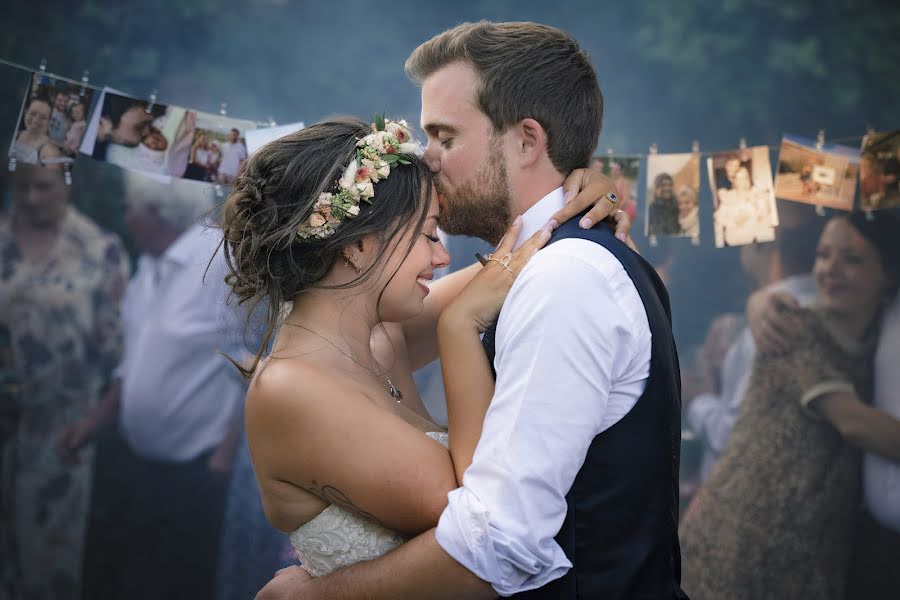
x: 823, y: 176
x: 879, y: 171
x: 218, y: 149
x: 54, y: 113
x: 137, y: 134
x: 161, y: 139
x: 673, y: 191
x: 744, y: 209
x: 624, y: 172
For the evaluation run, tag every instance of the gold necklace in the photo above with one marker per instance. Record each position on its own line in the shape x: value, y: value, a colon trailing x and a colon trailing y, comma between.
x: 395, y: 393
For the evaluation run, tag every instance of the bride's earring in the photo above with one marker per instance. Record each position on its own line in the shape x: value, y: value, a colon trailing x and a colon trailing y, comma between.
x: 351, y: 265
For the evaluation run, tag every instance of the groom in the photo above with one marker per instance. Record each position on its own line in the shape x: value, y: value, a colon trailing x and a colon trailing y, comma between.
x: 572, y: 492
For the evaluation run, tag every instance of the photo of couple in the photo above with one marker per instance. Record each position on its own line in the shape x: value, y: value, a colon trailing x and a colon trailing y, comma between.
x: 673, y: 193
x: 744, y: 209
x: 218, y: 150
x: 52, y: 122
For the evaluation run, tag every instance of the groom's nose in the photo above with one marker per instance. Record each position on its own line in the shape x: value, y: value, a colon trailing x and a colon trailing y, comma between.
x: 431, y: 157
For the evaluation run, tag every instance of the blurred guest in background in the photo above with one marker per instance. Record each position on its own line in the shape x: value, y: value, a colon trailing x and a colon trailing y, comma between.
x: 776, y: 517
x: 61, y: 282
x: 873, y: 572
x: 162, y: 470
x: 785, y: 267
x: 251, y: 550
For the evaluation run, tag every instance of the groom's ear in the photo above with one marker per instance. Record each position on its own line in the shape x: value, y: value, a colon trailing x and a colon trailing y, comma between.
x: 532, y: 142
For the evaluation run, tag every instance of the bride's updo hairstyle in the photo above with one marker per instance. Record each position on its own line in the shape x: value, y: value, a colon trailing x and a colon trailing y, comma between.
x: 275, y: 194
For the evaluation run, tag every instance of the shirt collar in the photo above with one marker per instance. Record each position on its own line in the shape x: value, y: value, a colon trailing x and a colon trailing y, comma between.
x: 538, y: 215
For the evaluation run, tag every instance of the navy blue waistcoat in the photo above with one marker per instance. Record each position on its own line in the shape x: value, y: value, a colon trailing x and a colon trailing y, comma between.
x: 621, y: 528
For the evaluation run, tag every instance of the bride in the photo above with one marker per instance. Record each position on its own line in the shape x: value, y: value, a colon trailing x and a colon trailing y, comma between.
x: 333, y: 229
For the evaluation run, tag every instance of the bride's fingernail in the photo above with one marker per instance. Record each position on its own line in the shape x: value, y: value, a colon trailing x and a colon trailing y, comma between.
x: 518, y: 220
x: 568, y: 197
x: 585, y: 223
x: 552, y: 223
x: 621, y: 236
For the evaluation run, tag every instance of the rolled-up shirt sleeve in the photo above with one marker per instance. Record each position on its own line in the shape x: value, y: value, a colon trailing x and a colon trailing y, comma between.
x: 564, y: 335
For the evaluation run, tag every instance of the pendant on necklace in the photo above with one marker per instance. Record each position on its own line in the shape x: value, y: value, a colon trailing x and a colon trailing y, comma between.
x: 395, y: 393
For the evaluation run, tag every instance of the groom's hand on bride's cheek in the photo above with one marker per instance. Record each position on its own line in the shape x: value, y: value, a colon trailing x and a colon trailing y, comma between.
x: 587, y: 188
x: 287, y: 584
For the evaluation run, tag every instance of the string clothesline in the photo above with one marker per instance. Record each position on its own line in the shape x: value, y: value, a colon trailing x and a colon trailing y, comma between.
x: 85, y: 83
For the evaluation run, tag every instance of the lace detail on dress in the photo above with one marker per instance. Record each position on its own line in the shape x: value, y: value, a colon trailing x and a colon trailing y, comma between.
x: 337, y: 537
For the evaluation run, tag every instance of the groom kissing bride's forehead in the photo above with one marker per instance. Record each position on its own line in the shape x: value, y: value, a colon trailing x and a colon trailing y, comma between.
x: 572, y: 489
x: 509, y: 109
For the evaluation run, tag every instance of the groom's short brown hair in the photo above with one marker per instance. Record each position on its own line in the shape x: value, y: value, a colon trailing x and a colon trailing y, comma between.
x: 525, y: 70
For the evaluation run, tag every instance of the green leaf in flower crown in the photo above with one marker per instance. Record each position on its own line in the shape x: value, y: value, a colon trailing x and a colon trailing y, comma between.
x: 390, y: 158
x: 403, y: 161
x: 379, y: 122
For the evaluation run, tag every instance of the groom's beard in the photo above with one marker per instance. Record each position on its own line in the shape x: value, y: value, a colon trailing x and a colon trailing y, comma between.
x: 480, y: 206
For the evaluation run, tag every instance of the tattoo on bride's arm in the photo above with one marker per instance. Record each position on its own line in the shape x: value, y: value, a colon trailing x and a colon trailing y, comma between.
x: 332, y: 495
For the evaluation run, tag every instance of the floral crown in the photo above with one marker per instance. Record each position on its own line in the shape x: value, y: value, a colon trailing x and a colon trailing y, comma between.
x: 390, y: 143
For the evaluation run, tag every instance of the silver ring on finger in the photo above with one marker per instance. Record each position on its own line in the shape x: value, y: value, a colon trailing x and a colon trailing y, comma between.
x: 617, y: 213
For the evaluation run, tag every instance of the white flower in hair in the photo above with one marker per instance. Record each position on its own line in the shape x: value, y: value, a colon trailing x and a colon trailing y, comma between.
x: 413, y: 148
x: 399, y: 129
x: 366, y: 190
x: 349, y: 178
x: 389, y: 144
x: 382, y: 169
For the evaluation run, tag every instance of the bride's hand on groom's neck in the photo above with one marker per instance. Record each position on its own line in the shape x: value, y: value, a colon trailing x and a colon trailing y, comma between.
x: 478, y: 304
x: 587, y: 188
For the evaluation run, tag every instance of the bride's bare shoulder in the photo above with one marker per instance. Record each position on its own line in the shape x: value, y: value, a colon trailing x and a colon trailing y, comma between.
x: 294, y: 387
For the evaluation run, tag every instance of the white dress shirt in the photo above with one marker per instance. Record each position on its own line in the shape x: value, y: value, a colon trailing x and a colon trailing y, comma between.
x: 179, y: 395
x: 573, y: 357
x: 712, y: 416
x: 881, y: 477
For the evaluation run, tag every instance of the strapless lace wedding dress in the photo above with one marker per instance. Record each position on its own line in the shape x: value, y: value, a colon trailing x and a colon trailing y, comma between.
x: 337, y: 537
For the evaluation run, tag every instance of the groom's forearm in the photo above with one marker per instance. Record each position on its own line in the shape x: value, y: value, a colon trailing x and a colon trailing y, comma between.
x: 418, y: 569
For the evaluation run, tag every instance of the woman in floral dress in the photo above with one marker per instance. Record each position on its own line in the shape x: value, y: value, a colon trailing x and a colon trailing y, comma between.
x: 775, y: 518
x: 61, y: 279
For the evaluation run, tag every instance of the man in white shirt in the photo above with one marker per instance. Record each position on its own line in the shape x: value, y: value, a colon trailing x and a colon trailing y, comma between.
x: 509, y: 109
x: 234, y: 153
x: 176, y: 400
